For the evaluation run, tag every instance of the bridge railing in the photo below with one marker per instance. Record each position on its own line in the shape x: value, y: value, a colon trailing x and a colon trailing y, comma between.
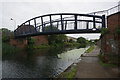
x: 60, y: 23
x: 107, y: 12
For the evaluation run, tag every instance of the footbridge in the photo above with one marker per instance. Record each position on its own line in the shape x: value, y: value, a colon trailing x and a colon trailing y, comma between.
x: 61, y: 23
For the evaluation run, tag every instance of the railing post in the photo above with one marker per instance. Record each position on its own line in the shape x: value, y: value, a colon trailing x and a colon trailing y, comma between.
x: 94, y: 26
x: 103, y: 21
x: 75, y: 22
x: 51, y: 24
x: 65, y: 24
x: 42, y: 24
x: 30, y: 27
x: 57, y: 24
x: 14, y: 32
x: 87, y: 24
x: 35, y: 25
x: 24, y: 28
x: 61, y: 21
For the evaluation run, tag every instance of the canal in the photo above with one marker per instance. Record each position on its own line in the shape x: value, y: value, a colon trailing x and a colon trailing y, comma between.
x: 44, y: 63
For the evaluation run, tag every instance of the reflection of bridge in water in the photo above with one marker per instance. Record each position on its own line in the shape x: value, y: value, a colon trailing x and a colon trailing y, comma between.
x: 64, y: 23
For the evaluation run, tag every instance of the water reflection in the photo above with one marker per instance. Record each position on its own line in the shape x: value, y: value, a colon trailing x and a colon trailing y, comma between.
x: 40, y: 63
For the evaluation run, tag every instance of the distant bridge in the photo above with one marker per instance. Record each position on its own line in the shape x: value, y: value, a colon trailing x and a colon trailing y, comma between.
x: 61, y: 23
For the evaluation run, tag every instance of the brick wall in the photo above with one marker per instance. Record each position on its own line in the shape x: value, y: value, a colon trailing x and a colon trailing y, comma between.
x: 113, y: 22
x: 41, y: 39
x: 20, y: 43
x: 111, y: 42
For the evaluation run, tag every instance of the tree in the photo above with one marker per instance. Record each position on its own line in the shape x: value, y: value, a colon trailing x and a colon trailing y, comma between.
x: 6, y: 34
x: 47, y: 28
x: 55, y: 39
x: 82, y: 41
x: 71, y: 41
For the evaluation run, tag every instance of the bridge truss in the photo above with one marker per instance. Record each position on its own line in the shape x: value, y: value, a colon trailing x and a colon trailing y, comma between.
x: 61, y: 23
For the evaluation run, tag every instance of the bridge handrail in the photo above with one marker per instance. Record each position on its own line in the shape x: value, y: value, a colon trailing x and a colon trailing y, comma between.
x: 74, y: 17
x: 88, y: 15
x: 107, y: 10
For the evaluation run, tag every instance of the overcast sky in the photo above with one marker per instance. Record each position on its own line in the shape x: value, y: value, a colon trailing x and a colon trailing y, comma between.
x: 22, y: 10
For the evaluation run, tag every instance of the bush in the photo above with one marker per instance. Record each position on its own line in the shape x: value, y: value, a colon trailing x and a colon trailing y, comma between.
x: 104, y: 30
x: 6, y: 48
x: 82, y: 41
x: 57, y: 39
x: 5, y: 39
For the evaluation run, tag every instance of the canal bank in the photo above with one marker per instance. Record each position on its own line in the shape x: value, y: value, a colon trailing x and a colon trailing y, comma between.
x: 89, y: 67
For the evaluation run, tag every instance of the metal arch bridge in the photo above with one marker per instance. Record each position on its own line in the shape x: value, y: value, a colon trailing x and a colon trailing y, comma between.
x: 61, y: 23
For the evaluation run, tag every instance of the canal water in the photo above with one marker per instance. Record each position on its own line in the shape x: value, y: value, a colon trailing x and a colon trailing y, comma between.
x: 43, y: 63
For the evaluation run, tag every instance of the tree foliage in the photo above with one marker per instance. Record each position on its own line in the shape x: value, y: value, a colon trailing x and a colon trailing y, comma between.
x: 6, y: 34
x: 47, y: 28
x: 71, y: 41
x: 82, y: 41
x: 55, y: 38
x: 104, y: 31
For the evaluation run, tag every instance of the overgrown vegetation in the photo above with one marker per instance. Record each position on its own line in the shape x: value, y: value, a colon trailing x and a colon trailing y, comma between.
x: 57, y: 40
x: 106, y: 64
x: 69, y: 75
x: 104, y: 31
x: 90, y: 49
x: 6, y: 47
x: 31, y: 42
x: 82, y: 42
x: 108, y: 59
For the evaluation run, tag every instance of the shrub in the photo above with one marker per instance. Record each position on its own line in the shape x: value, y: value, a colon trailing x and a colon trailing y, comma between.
x: 104, y: 30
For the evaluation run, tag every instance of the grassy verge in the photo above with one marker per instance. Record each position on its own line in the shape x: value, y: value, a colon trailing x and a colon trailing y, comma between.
x: 106, y: 64
x: 69, y: 73
x: 90, y: 49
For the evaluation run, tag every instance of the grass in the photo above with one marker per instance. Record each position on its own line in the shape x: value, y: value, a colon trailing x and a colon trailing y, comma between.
x: 90, y: 49
x: 70, y: 74
x: 106, y: 64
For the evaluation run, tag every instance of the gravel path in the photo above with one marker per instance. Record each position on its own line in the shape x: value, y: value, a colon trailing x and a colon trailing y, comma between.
x: 89, y: 67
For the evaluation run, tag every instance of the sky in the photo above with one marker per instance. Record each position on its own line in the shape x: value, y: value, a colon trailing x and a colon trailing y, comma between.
x: 22, y: 10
